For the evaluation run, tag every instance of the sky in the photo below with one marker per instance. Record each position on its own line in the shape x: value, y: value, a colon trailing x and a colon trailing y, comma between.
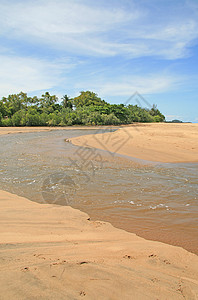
x: 116, y: 49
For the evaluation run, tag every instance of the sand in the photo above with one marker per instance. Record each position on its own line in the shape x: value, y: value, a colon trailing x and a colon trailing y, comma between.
x: 54, y: 252
x: 159, y: 142
x: 11, y: 130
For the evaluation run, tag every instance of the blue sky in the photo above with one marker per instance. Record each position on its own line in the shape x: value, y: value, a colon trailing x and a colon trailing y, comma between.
x: 113, y: 48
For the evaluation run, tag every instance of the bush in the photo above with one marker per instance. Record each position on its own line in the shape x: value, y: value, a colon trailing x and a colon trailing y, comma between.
x: 32, y: 119
x: 54, y: 120
x: 44, y: 118
x: 18, y: 119
x: 110, y: 119
x: 157, y: 119
x: 7, y: 122
x: 21, y: 110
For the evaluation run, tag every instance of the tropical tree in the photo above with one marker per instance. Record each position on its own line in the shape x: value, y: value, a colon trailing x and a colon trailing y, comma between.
x: 21, y: 110
x: 154, y: 111
x: 66, y: 102
x: 48, y: 100
x: 88, y: 98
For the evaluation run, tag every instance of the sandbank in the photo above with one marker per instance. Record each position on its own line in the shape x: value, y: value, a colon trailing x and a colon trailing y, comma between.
x: 159, y: 142
x: 54, y: 252
x: 25, y: 129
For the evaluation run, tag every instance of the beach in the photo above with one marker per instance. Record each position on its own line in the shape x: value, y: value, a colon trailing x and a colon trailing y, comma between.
x: 53, y: 252
x: 14, y: 130
x: 159, y: 142
x: 58, y: 252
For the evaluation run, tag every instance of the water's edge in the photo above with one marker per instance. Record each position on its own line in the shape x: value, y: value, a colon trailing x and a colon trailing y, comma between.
x: 149, y: 200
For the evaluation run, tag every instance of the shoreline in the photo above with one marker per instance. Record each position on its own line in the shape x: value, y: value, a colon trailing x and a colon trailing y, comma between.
x: 152, y: 142
x: 85, y: 247
x: 61, y: 249
x: 14, y: 130
x: 146, y: 142
x: 157, y: 235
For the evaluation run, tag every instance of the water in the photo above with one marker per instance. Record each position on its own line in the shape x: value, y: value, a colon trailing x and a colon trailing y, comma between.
x: 155, y: 201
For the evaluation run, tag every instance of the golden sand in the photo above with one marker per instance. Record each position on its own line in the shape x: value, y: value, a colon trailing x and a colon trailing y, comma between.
x: 161, y: 142
x: 54, y: 252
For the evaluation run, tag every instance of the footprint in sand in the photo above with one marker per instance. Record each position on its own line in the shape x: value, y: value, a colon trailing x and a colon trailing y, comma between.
x: 128, y: 256
x: 82, y: 293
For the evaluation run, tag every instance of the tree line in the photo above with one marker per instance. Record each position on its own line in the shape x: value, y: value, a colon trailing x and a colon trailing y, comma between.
x: 85, y: 109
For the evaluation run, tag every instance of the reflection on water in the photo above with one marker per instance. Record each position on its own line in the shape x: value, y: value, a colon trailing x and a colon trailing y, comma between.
x: 155, y: 201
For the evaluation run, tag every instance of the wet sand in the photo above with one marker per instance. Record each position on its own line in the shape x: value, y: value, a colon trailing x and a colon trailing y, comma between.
x: 157, y: 202
x: 54, y: 252
x: 11, y: 130
x: 159, y: 142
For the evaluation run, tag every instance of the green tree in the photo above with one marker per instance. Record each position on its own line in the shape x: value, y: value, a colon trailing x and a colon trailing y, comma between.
x: 21, y: 110
x: 54, y: 119
x: 13, y: 103
x: 88, y: 98
x: 44, y: 118
x: 47, y: 100
x: 7, y: 122
x: 154, y: 111
x: 66, y: 102
x: 32, y: 117
x: 18, y: 119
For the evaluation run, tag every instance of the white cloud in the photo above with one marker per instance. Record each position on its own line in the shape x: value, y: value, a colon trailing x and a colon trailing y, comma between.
x: 126, y: 86
x: 84, y: 27
x: 63, y: 24
x: 30, y: 74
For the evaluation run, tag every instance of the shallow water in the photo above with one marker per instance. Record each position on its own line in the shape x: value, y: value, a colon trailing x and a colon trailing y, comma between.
x: 156, y: 201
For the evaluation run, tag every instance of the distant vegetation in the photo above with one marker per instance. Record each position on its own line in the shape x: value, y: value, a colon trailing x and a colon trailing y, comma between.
x: 86, y: 109
x: 174, y: 121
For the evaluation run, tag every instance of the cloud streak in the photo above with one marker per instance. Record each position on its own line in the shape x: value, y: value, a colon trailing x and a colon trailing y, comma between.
x: 126, y: 86
x: 113, y: 48
x: 85, y: 28
x: 31, y: 74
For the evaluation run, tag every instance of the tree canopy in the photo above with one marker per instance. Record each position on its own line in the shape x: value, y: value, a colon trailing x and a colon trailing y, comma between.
x: 88, y: 98
x: 85, y: 109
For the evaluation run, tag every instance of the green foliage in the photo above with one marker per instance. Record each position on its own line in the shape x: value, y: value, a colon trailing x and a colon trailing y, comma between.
x: 67, y: 102
x: 44, y: 118
x: 7, y: 122
x: 32, y: 119
x: 54, y: 119
x: 2, y: 109
x: 18, y: 119
x: 157, y: 119
x: 88, y: 98
x: 156, y: 113
x: 47, y: 100
x: 86, y: 109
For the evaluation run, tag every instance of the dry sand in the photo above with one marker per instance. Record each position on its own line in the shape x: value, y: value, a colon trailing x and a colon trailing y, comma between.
x: 10, y: 130
x: 54, y: 252
x: 161, y: 142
